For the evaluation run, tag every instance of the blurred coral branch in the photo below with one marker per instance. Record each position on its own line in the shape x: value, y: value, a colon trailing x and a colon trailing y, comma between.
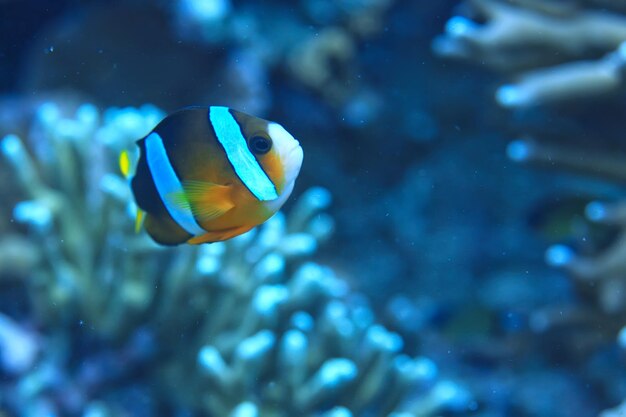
x: 246, y: 327
x: 541, y: 46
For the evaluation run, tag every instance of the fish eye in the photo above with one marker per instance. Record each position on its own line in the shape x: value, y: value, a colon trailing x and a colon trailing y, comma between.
x: 259, y: 145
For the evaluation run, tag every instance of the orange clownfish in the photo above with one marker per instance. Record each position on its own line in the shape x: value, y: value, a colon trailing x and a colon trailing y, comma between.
x: 209, y: 174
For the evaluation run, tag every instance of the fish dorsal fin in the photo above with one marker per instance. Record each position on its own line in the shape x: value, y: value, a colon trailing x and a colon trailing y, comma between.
x: 206, y: 200
x: 124, y: 162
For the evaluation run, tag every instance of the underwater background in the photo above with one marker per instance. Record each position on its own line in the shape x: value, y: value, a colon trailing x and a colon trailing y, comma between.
x: 455, y: 244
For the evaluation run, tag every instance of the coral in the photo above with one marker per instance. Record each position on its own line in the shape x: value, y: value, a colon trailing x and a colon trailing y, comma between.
x: 544, y: 36
x: 562, y: 61
x: 599, y: 268
x: 119, y: 326
x: 618, y: 411
x: 543, y: 45
x: 317, y: 49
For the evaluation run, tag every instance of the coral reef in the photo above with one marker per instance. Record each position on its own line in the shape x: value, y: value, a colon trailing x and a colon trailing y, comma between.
x: 444, y: 236
x: 606, y: 267
x: 317, y: 50
x: 562, y: 61
x: 597, y: 265
x: 543, y: 45
x: 111, y: 324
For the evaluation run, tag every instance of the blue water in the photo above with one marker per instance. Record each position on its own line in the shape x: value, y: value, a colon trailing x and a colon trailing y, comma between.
x: 453, y: 245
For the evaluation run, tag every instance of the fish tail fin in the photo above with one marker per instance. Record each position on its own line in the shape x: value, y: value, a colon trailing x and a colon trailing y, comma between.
x: 124, y: 162
x: 141, y: 215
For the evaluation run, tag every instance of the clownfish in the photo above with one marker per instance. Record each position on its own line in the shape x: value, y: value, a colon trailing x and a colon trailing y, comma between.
x: 209, y: 174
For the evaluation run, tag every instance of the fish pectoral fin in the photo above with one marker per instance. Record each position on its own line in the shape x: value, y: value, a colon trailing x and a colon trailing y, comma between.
x: 218, y: 235
x: 206, y: 200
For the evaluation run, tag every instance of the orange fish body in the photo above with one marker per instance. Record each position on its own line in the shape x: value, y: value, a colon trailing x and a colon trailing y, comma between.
x: 207, y: 175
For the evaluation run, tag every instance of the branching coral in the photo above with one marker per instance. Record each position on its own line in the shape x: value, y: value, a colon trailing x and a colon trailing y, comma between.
x: 602, y: 270
x: 524, y: 34
x: 76, y: 210
x: 248, y: 327
x: 561, y: 58
x: 537, y: 33
x: 548, y: 37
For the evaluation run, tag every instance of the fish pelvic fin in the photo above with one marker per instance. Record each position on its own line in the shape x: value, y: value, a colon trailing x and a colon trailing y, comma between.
x: 206, y: 200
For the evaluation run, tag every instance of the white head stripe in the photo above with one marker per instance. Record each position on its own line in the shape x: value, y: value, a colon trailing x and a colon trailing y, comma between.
x: 167, y: 183
x: 245, y: 164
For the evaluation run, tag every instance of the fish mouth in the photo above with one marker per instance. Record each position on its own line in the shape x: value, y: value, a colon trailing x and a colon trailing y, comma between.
x: 295, y: 148
x: 295, y: 155
x: 293, y: 162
